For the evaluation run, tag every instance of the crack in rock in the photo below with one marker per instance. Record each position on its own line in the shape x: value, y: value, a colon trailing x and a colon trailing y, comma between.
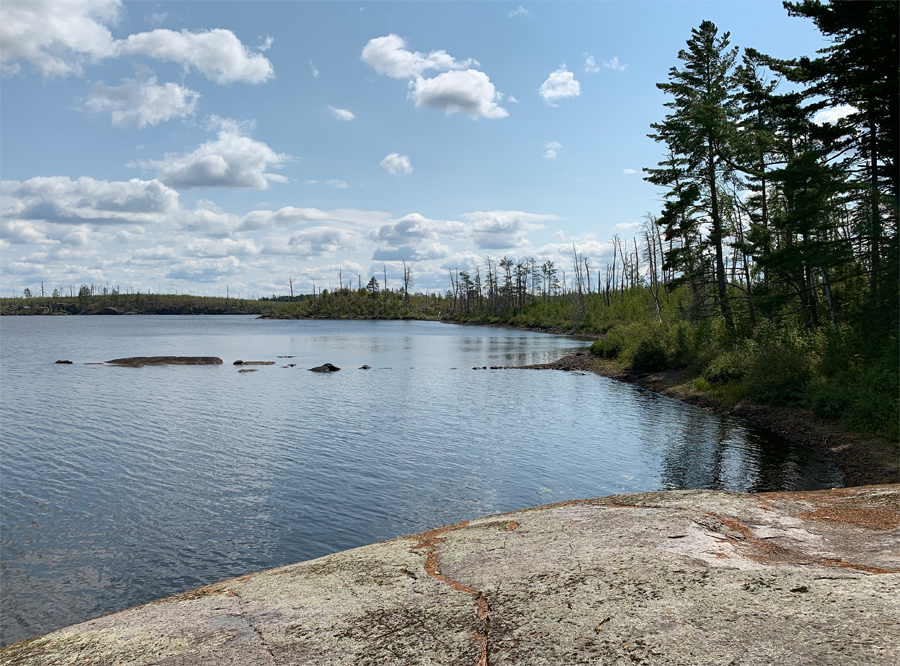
x: 429, y: 543
x: 252, y: 626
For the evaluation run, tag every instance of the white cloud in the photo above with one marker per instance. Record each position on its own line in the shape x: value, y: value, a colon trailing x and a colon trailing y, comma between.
x: 458, y: 88
x: 60, y: 200
x: 552, y: 147
x: 468, y: 91
x: 389, y: 56
x: 60, y: 38
x: 56, y: 38
x: 833, y: 115
x: 319, y: 241
x: 560, y: 84
x: 341, y: 114
x: 628, y: 172
x: 512, y: 99
x: 396, y: 164
x: 313, y: 70
x: 629, y: 225
x: 265, y: 219
x: 267, y: 44
x: 141, y: 103
x: 521, y: 11
x: 503, y: 229
x: 232, y: 160
x: 590, y: 65
x: 217, y: 54
x: 339, y: 184
x: 613, y: 63
x: 414, y: 237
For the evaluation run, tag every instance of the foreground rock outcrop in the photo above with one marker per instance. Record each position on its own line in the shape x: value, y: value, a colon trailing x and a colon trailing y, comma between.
x: 683, y: 577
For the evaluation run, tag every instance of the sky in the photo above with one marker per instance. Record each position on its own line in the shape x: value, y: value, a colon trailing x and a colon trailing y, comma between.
x: 199, y: 147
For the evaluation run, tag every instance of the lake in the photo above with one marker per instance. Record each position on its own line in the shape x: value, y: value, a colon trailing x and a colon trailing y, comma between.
x: 122, y: 485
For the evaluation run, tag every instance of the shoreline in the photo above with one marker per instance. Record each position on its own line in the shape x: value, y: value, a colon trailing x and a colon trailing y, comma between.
x: 614, y: 579
x: 863, y: 460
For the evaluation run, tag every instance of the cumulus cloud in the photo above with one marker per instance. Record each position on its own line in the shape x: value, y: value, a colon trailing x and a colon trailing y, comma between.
x: 503, y: 229
x: 341, y: 114
x: 414, y: 237
x: 512, y: 100
x: 458, y: 88
x: 552, y: 147
x: 339, y: 184
x: 140, y: 103
x: 590, y: 65
x: 217, y: 54
x: 60, y: 200
x: 389, y: 56
x: 318, y: 241
x: 559, y: 85
x: 628, y: 172
x: 267, y: 44
x: 204, y: 270
x: 468, y: 91
x: 396, y: 164
x: 56, y: 38
x: 232, y: 160
x: 521, y: 11
x: 833, y: 115
x: 60, y: 38
x: 264, y: 219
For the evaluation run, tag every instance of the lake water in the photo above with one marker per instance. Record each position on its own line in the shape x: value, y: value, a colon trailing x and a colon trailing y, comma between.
x: 122, y: 485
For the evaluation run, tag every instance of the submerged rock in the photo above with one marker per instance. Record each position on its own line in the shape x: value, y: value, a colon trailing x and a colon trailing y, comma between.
x: 249, y: 370
x: 259, y: 362
x: 141, y: 361
x: 328, y: 367
x: 679, y: 577
x: 65, y: 362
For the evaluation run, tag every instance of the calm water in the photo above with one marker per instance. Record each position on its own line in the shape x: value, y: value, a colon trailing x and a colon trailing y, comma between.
x: 121, y: 485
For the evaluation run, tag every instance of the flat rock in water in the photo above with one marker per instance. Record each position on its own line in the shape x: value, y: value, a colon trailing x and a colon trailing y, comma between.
x: 678, y: 577
x: 64, y: 362
x: 328, y: 367
x: 259, y: 363
x: 141, y: 361
x: 365, y: 367
x: 249, y: 370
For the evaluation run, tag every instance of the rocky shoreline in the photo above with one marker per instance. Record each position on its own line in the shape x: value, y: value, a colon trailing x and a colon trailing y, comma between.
x: 863, y: 460
x: 677, y: 577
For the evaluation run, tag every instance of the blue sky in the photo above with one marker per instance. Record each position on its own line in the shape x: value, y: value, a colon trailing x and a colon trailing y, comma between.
x: 193, y: 146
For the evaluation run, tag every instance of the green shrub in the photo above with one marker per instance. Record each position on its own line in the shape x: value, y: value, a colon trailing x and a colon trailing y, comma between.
x: 729, y: 367
x: 609, y: 346
x: 649, y: 356
x: 778, y: 375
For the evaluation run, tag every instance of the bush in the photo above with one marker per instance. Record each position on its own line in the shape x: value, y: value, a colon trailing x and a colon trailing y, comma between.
x: 778, y: 375
x: 610, y: 345
x: 729, y: 367
x: 649, y: 356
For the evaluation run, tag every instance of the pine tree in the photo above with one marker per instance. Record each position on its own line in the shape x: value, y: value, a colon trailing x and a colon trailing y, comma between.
x: 698, y: 133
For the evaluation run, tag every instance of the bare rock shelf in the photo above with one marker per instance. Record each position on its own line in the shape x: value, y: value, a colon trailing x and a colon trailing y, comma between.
x: 679, y: 577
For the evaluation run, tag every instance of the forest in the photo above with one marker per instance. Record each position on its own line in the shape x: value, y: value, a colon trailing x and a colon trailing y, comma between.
x: 770, y: 272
